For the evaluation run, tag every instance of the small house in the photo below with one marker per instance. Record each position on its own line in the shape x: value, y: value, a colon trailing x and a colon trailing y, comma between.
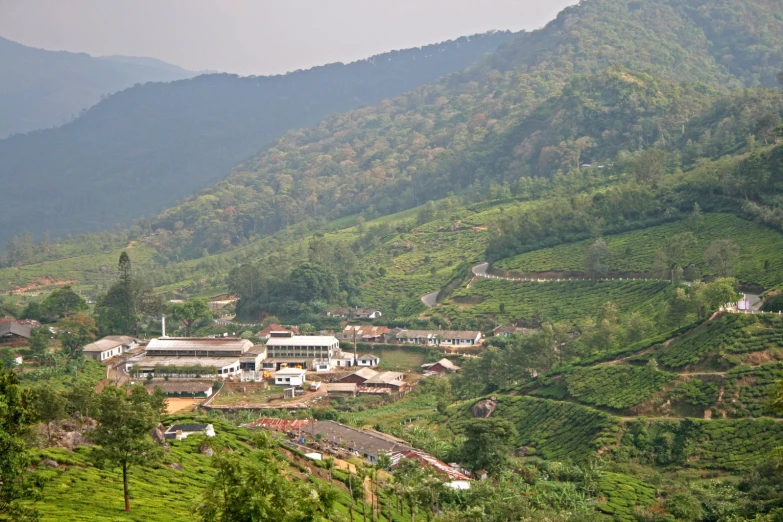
x: 183, y: 431
x: 369, y: 360
x: 11, y: 332
x: 359, y: 376
x: 290, y: 377
x: 367, y: 313
x: 341, y: 388
x: 441, y: 367
x: 393, y: 380
x: 109, y: 347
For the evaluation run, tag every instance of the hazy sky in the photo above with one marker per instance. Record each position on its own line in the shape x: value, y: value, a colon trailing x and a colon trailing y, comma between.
x: 259, y: 36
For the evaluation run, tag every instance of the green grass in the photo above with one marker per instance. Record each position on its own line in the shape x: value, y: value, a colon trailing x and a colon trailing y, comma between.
x: 617, y: 387
x: 555, y: 301
x: 634, y: 251
x: 62, y: 377
x: 730, y: 334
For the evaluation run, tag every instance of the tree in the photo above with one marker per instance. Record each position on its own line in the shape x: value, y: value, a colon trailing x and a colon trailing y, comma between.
x: 17, y: 414
x: 126, y: 303
x: 76, y: 331
x: 649, y: 166
x: 61, y: 302
x: 696, y: 219
x: 673, y: 255
x: 722, y: 256
x: 597, y: 259
x: 717, y: 293
x: 50, y: 406
x: 80, y: 399
x: 254, y: 489
x: 125, y: 270
x: 189, y: 313
x: 488, y: 444
x: 123, y: 431
x: 39, y: 342
x: 313, y: 282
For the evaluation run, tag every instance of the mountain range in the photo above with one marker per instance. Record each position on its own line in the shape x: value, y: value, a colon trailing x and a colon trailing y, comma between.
x: 42, y: 89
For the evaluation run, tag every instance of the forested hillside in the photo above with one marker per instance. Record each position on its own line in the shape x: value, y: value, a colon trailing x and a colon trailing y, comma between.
x: 42, y: 89
x: 603, y: 81
x: 143, y: 149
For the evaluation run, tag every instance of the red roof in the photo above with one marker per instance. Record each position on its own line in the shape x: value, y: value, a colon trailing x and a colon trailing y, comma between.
x: 272, y: 328
x: 281, y: 425
x: 428, y: 460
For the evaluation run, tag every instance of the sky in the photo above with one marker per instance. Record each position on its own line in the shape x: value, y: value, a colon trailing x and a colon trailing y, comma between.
x: 259, y: 36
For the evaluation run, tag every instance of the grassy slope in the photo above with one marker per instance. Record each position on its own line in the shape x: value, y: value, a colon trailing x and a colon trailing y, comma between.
x: 634, y: 251
x: 78, y: 491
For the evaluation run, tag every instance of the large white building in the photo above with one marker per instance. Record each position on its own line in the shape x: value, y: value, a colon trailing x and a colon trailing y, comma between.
x: 109, y: 347
x: 315, y: 352
x: 226, y: 355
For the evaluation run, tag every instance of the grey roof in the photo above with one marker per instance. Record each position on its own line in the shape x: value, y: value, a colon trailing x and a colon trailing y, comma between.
x: 387, y: 378
x: 228, y: 344
x: 109, y: 343
x: 150, y: 361
x: 303, y: 340
x: 187, y: 428
x: 365, y: 373
x: 443, y: 362
x: 367, y: 442
x: 366, y: 356
x: 337, y: 387
x: 21, y: 330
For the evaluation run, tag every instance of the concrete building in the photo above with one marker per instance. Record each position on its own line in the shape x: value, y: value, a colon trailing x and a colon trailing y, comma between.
x: 183, y: 431
x: 185, y: 355
x: 290, y: 377
x: 369, y: 360
x: 316, y: 352
x: 109, y: 347
x: 441, y: 367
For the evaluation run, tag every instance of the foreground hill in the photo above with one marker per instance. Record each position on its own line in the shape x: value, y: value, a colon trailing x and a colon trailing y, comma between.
x: 149, y: 146
x: 42, y: 89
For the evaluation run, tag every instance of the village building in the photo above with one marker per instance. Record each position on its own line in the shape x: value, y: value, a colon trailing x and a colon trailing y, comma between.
x: 183, y: 431
x: 250, y: 361
x: 345, y: 361
x: 342, y: 389
x: 368, y: 360
x: 316, y: 352
x: 219, y: 355
x: 183, y: 389
x: 266, y: 333
x: 441, y: 367
x: 355, y: 313
x: 109, y: 347
x: 14, y: 332
x: 508, y: 331
x: 439, y: 337
x: 447, y: 471
x: 290, y: 377
x: 365, y: 334
x: 369, y: 444
x: 394, y: 380
x: 359, y: 376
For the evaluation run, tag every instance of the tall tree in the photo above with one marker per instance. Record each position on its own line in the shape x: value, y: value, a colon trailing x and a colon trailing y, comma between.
x: 51, y: 407
x: 123, y: 432
x: 61, y: 302
x: 597, y: 259
x: 76, y: 331
x: 189, y: 313
x: 17, y: 414
x: 722, y: 256
x: 488, y: 444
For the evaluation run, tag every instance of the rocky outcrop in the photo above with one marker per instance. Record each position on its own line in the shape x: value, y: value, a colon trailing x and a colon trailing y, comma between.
x: 206, y: 449
x: 484, y: 409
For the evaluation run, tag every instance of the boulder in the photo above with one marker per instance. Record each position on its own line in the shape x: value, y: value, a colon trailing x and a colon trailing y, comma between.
x: 206, y: 449
x: 175, y: 465
x: 157, y: 434
x: 50, y: 463
x: 485, y: 408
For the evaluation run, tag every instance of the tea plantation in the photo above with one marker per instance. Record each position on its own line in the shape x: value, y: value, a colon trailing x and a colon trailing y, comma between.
x: 635, y: 251
x: 730, y: 334
x: 553, y: 301
x: 617, y: 387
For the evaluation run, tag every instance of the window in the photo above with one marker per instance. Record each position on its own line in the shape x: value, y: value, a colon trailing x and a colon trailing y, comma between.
x: 287, y: 379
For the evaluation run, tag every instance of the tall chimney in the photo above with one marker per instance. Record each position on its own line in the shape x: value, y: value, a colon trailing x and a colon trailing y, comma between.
x: 163, y: 325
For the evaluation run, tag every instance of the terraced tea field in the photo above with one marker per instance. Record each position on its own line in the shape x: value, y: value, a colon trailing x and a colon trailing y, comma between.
x: 553, y: 301
x: 617, y: 387
x: 731, y: 334
x: 635, y: 251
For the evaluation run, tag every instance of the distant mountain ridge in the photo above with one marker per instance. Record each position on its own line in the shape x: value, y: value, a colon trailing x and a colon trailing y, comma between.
x: 41, y: 89
x: 144, y: 148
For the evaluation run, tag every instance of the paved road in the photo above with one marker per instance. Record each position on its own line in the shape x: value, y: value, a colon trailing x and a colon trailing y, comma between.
x: 430, y: 299
x: 481, y: 270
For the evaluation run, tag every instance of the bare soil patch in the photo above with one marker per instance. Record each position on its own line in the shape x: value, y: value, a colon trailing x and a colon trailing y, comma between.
x: 176, y: 405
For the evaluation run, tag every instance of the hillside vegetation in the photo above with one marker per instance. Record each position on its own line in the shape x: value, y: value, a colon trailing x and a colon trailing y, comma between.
x: 149, y: 146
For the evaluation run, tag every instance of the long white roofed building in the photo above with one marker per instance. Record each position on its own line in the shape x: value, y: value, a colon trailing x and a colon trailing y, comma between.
x: 312, y: 352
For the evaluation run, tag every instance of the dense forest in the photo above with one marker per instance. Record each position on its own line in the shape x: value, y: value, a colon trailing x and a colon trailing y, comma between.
x: 42, y: 89
x: 546, y: 104
x: 143, y: 149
